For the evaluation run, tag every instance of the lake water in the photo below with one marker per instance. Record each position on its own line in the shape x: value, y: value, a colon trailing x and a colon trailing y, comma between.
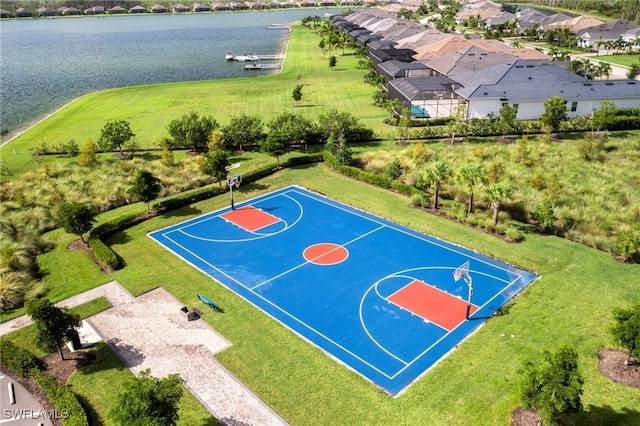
x: 46, y: 63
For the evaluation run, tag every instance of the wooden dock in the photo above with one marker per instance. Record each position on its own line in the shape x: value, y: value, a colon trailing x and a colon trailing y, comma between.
x: 280, y: 27
x: 262, y: 66
x: 270, y: 57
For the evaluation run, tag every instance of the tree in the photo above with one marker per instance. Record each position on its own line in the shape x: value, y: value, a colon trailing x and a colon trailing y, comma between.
x: 394, y: 170
x: 333, y: 61
x: 297, y: 94
x: 215, y: 164
x: 634, y: 71
x: 148, y: 401
x: 555, y: 111
x: 553, y: 387
x: 603, y: 117
x: 297, y: 128
x: 76, y: 218
x: 145, y: 187
x: 275, y: 145
x: 335, y: 123
x: 472, y: 174
x: 192, y: 131
x: 166, y: 155
x: 497, y: 193
x: 626, y: 330
x: 216, y: 140
x: 543, y: 214
x: 115, y: 134
x: 434, y: 177
x: 87, y: 156
x: 242, y: 130
x: 54, y: 326
x: 508, y: 119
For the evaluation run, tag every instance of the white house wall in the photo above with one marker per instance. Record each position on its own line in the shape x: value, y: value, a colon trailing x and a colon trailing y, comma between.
x: 485, y: 108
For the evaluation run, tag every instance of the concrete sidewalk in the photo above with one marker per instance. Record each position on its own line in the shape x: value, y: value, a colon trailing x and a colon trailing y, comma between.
x: 151, y: 332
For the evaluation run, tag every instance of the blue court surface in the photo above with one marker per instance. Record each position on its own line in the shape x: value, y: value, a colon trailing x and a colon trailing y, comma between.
x: 379, y: 297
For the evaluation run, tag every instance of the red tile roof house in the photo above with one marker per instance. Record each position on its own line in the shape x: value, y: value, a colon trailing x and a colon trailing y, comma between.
x: 5, y: 14
x: 46, y: 11
x: 116, y: 10
x: 95, y: 10
x: 158, y: 8
x: 137, y: 9
x: 21, y: 12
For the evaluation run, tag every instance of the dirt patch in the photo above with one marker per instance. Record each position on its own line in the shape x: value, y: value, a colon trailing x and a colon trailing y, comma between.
x: 61, y: 369
x: 505, y: 139
x: 522, y: 417
x: 611, y: 364
x: 84, y: 246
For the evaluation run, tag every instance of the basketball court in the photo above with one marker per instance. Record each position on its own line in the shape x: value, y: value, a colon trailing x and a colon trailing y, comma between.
x: 386, y: 301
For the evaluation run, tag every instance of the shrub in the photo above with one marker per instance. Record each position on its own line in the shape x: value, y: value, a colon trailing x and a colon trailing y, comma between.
x: 65, y: 401
x: 104, y: 253
x: 514, y: 235
x: 19, y: 360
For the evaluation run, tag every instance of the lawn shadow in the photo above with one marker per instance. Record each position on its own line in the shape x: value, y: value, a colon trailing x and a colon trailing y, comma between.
x: 183, y: 211
x: 106, y: 359
x: 605, y: 415
x: 148, y: 155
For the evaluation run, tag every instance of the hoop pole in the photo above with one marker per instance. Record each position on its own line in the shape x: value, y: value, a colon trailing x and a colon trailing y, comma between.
x: 469, y: 281
x: 231, y: 191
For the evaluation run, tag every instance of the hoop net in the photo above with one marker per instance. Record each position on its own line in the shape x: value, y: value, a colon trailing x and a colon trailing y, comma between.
x: 461, y: 271
x: 234, y: 181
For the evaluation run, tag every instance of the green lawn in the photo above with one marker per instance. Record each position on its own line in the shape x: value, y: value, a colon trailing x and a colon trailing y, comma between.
x: 570, y: 303
x: 625, y: 60
x: 150, y: 108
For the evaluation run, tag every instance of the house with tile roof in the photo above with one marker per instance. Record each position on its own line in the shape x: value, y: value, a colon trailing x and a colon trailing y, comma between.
x: 608, y: 31
x: 526, y: 85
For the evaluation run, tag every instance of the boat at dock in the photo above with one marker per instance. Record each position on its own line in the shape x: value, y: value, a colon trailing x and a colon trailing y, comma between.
x: 241, y: 58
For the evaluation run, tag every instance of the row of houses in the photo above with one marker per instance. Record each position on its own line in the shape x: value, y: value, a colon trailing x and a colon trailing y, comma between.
x: 433, y: 73
x: 181, y: 8
x: 589, y: 32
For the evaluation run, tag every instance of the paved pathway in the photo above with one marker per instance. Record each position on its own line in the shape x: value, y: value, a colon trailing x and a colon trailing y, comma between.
x: 151, y: 332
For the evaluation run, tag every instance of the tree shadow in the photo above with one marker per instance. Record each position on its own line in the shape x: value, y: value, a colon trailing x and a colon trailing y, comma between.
x: 605, y: 416
x: 105, y: 360
x: 182, y: 211
x: 130, y: 355
x: 210, y: 422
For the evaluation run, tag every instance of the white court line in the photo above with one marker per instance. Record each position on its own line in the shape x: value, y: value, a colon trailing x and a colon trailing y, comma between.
x: 309, y: 262
x: 257, y: 234
x: 352, y: 211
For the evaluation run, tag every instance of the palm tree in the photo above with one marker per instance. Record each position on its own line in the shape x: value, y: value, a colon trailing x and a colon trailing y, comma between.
x: 604, y: 69
x: 392, y: 105
x: 472, y: 174
x: 435, y: 176
x: 497, y: 193
x: 516, y: 44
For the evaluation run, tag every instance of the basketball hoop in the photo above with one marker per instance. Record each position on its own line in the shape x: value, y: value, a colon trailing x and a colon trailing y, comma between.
x: 232, y: 181
x: 462, y: 271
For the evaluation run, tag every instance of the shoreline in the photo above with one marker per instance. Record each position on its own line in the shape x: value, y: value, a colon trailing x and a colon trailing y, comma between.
x: 11, y: 136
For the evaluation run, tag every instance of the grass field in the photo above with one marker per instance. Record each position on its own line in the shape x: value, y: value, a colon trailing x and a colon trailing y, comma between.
x: 570, y: 303
x: 625, y: 60
x: 150, y: 108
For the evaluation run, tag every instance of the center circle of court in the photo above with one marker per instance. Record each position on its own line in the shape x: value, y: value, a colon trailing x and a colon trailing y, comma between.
x: 325, y: 254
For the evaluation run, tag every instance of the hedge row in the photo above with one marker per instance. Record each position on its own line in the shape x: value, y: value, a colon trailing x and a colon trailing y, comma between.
x: 361, y: 175
x: 19, y: 360
x: 65, y: 401
x: 24, y: 364
x: 107, y: 256
x: 104, y: 253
